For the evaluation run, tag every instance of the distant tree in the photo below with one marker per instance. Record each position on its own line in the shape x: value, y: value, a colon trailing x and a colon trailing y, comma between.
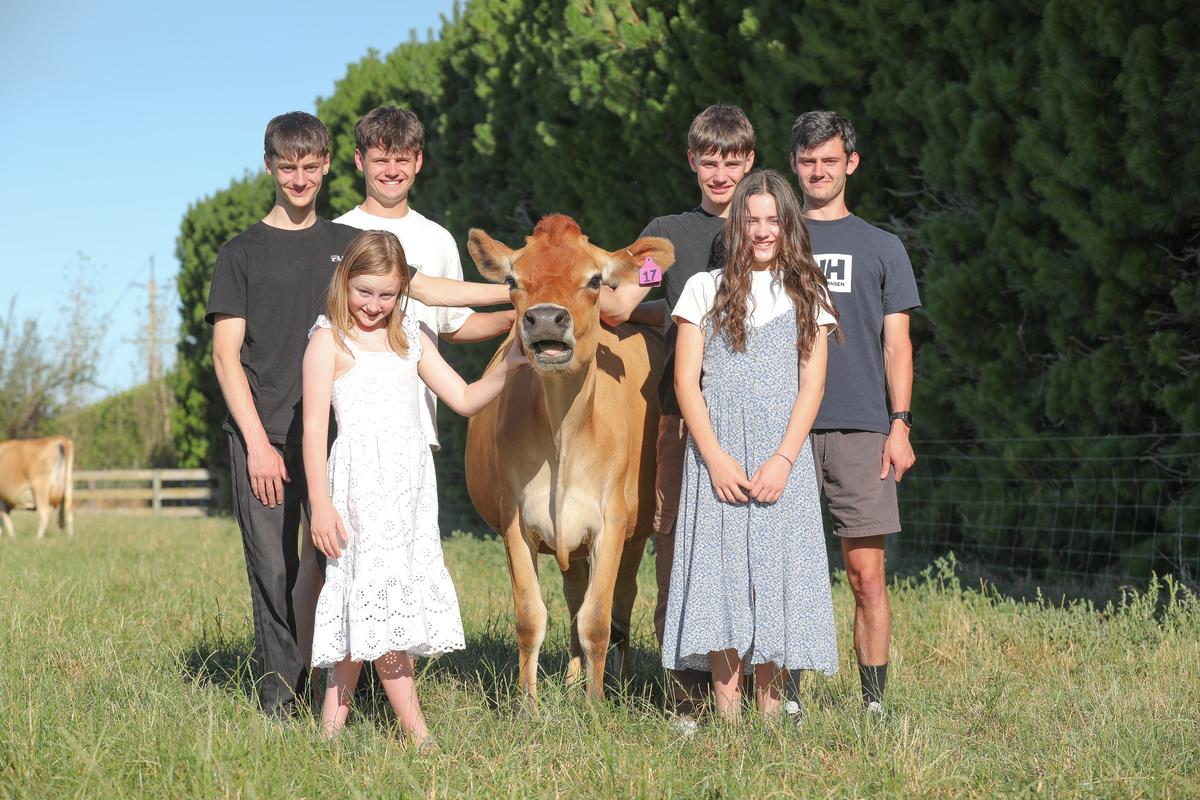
x: 122, y: 431
x: 45, y: 375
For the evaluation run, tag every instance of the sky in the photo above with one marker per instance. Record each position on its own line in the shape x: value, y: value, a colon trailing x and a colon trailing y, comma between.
x: 115, y: 116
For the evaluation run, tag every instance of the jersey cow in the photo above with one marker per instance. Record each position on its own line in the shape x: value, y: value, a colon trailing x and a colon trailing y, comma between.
x: 562, y: 462
x: 36, y: 473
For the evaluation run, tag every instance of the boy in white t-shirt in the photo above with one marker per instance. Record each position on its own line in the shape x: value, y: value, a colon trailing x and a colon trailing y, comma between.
x: 389, y: 145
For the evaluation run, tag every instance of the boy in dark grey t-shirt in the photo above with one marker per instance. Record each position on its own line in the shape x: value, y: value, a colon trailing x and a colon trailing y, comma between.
x: 861, y: 451
x: 721, y: 152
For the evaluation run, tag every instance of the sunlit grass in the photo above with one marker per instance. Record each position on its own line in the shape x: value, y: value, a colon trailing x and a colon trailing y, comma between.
x: 124, y: 673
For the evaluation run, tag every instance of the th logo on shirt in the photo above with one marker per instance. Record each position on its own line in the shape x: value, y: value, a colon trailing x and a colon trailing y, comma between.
x: 838, y: 269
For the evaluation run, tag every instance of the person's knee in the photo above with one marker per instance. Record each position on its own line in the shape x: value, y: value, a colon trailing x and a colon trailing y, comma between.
x: 869, y: 586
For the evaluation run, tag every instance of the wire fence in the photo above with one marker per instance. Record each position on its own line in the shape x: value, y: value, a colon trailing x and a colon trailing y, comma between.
x: 1085, y: 508
x: 1055, y: 510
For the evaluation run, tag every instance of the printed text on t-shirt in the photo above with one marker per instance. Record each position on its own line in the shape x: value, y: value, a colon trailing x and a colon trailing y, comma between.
x: 838, y: 269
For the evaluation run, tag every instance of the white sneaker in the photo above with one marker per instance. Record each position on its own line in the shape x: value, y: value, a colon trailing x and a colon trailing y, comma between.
x: 875, y: 708
x: 794, y: 713
x: 684, y: 727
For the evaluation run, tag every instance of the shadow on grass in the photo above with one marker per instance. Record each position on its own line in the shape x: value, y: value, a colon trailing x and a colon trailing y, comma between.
x: 220, y: 659
x: 490, y: 660
x: 226, y: 661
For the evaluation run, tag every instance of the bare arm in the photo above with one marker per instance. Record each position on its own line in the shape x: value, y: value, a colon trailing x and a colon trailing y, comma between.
x: 264, y: 463
x: 898, y: 368
x: 727, y: 475
x: 618, y: 305
x: 320, y: 361
x: 652, y: 313
x: 464, y: 398
x: 447, y: 292
x: 481, y: 327
x: 769, y: 481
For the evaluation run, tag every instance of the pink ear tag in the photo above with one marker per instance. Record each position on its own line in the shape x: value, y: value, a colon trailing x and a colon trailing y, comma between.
x: 649, y: 274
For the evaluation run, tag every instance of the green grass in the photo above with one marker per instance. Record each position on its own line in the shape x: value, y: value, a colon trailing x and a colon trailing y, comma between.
x: 123, y: 673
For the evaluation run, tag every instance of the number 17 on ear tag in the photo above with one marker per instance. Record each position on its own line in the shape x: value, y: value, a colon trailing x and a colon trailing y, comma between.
x: 650, y: 274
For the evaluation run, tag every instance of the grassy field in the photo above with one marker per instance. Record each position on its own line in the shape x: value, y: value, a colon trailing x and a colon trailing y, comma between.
x: 123, y: 674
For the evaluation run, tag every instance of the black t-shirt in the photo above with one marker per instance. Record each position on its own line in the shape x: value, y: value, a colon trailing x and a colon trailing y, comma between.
x: 276, y: 280
x: 693, y: 234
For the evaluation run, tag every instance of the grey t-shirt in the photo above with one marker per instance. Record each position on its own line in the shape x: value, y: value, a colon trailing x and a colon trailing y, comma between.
x: 869, y: 277
x: 276, y: 280
x: 692, y: 233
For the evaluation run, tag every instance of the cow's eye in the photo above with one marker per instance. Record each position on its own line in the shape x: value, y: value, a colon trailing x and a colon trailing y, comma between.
x: 511, y: 281
x: 595, y: 281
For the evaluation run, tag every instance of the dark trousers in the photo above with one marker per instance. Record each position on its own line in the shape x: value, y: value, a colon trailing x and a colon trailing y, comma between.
x: 269, y: 539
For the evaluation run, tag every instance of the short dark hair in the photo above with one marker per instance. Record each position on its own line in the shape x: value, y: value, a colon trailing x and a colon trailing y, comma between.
x: 815, y: 128
x: 725, y: 130
x: 391, y: 129
x: 296, y: 134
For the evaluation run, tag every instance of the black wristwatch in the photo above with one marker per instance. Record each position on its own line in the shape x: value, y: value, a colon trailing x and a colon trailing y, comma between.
x: 903, y: 416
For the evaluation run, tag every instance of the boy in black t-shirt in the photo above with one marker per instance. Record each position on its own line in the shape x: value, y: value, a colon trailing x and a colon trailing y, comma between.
x: 721, y: 152
x: 268, y: 287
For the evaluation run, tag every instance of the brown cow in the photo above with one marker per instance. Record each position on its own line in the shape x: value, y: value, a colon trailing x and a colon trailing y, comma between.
x: 563, y: 461
x: 37, y: 473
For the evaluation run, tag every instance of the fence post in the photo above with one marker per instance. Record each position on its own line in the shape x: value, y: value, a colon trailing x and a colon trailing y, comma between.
x: 156, y: 488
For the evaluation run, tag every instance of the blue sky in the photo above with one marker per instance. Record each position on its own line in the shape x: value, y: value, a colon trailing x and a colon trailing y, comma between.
x: 115, y: 116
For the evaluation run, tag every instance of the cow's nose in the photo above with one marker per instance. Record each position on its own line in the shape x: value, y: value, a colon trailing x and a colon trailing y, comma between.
x: 547, y: 315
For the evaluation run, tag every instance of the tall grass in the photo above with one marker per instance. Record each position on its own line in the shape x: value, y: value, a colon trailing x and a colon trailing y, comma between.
x: 124, y: 672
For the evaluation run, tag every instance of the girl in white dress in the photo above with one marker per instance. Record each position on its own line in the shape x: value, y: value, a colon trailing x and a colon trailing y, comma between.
x: 387, y: 594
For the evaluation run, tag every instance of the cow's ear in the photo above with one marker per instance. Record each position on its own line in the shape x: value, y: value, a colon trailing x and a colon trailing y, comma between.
x: 493, y: 259
x: 625, y: 264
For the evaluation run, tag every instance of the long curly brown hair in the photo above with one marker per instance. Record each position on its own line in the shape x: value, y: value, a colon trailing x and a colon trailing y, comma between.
x: 794, y: 265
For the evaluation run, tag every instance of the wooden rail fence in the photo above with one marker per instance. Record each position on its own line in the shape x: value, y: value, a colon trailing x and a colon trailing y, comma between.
x: 169, y: 492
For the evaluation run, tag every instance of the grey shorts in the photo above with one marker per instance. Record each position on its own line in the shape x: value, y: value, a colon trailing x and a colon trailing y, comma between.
x: 860, y: 504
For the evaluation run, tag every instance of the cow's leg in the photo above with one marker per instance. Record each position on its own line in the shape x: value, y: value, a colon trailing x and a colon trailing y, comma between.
x: 624, y: 594
x: 7, y: 522
x: 41, y: 501
x: 66, y: 508
x: 595, y: 617
x: 527, y: 604
x: 575, y: 584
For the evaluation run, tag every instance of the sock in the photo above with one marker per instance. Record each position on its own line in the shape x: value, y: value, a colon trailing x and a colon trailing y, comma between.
x: 873, y: 680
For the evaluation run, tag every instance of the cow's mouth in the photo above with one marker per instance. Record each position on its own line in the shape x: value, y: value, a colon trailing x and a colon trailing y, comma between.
x: 551, y: 351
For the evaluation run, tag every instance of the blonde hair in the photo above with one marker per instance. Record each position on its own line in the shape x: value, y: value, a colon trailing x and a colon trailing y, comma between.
x: 370, y: 253
x: 794, y: 266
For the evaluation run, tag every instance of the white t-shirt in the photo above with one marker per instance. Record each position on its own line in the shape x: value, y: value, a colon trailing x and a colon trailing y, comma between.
x: 767, y: 297
x: 430, y: 249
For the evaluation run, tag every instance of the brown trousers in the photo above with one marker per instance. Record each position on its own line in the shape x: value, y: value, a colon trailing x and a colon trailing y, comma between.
x: 689, y: 688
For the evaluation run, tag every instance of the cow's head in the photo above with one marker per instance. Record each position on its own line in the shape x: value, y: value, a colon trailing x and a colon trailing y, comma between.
x: 555, y: 282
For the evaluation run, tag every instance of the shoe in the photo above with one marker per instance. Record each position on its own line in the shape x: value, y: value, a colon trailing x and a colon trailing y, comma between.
x: 793, y: 712
x: 875, y: 708
x: 683, y: 727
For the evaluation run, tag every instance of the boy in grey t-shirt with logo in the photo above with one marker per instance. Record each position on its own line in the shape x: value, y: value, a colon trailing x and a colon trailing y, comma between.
x: 861, y: 449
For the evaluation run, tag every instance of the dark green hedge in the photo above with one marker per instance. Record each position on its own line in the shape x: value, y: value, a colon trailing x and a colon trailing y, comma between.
x: 1038, y: 159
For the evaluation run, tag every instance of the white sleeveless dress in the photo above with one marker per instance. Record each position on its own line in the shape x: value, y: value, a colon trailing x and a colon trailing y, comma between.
x: 389, y: 590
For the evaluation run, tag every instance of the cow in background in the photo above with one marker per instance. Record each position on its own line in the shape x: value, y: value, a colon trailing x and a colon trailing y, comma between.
x: 562, y: 462
x: 37, y: 474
